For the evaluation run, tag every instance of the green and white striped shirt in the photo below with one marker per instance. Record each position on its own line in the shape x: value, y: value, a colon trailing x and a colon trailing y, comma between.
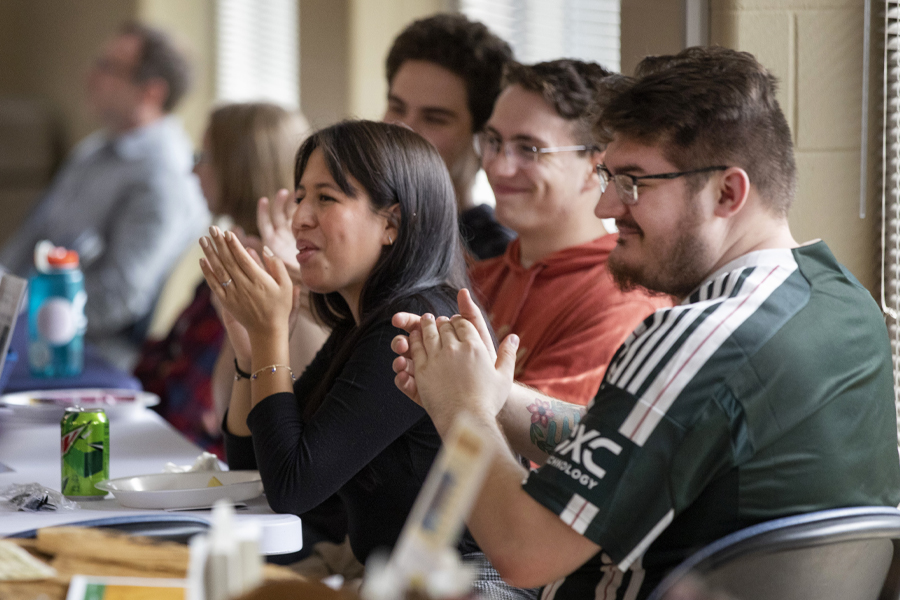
x: 768, y: 392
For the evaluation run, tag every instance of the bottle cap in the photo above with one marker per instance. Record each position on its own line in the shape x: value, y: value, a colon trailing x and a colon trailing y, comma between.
x: 60, y: 258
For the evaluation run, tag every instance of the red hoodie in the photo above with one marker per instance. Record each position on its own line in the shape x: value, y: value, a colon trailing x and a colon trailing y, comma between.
x: 569, y: 314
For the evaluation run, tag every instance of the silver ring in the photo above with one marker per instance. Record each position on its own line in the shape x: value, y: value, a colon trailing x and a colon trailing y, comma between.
x: 225, y: 283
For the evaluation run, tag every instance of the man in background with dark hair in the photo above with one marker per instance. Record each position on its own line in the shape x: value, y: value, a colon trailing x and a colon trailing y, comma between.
x: 125, y: 200
x: 443, y: 75
x: 552, y: 286
x: 767, y: 392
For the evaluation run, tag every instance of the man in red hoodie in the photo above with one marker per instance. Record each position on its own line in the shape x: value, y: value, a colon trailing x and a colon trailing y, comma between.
x: 552, y: 287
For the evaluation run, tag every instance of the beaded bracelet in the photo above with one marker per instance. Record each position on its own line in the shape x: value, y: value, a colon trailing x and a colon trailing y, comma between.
x: 239, y: 373
x: 273, y: 369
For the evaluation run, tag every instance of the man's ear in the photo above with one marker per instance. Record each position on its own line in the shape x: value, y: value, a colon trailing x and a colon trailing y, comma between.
x: 733, y: 189
x: 392, y: 224
x: 155, y: 91
x: 592, y: 180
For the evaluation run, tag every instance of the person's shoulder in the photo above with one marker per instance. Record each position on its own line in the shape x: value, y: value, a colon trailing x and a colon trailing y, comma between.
x: 485, y: 269
x: 836, y: 298
x: 482, y: 218
x: 380, y: 330
x: 162, y: 147
x: 440, y: 301
x: 89, y: 144
x: 477, y: 216
x: 585, y: 260
x: 742, y: 306
x: 488, y: 268
x: 436, y: 300
x: 169, y: 130
x: 820, y: 267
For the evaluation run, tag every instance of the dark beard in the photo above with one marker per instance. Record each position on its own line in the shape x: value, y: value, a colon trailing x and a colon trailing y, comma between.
x: 677, y: 276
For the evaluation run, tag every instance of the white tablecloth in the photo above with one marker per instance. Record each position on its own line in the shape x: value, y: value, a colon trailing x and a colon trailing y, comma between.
x: 140, y: 444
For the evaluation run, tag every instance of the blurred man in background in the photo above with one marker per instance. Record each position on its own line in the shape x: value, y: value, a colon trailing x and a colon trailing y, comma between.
x: 125, y: 200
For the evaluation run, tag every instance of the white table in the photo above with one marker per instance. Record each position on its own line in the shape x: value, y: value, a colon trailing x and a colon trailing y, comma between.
x: 140, y: 444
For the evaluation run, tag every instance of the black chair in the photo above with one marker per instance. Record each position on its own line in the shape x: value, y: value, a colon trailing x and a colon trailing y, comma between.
x: 840, y: 554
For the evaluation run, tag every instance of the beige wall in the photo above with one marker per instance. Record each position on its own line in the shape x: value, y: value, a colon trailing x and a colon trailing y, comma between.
x: 815, y: 49
x: 193, y: 26
x: 8, y: 62
x: 324, y: 52
x: 650, y: 27
x: 373, y: 25
x: 46, y: 47
x: 54, y: 42
x: 343, y: 44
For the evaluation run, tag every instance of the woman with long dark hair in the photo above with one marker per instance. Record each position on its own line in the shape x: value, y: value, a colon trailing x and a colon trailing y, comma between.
x: 376, y: 234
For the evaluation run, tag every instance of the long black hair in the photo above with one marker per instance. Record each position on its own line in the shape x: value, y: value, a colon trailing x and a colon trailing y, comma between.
x: 394, y: 166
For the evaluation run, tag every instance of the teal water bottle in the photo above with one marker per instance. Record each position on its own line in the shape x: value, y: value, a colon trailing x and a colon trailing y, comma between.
x: 56, y: 321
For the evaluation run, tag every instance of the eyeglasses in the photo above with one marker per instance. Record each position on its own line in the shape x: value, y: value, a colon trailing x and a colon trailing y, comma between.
x: 523, y: 154
x: 627, y: 185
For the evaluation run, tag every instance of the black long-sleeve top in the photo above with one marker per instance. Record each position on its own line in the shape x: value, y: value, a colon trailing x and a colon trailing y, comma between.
x: 367, y: 442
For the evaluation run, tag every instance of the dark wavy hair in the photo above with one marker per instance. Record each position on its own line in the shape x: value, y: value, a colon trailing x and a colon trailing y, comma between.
x: 710, y: 106
x: 577, y: 90
x: 393, y: 166
x: 160, y: 57
x: 466, y: 48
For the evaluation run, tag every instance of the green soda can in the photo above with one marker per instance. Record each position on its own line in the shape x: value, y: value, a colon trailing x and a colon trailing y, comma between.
x: 85, y: 452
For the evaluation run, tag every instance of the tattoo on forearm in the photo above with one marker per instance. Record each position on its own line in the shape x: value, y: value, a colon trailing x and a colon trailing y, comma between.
x: 552, y: 422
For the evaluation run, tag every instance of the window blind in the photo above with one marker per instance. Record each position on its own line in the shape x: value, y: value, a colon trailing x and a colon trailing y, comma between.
x: 541, y: 30
x: 258, y: 51
x: 890, y: 183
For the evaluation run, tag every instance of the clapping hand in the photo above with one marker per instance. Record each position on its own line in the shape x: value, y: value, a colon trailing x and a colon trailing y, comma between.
x: 274, y: 222
x: 450, y: 365
x: 255, y: 293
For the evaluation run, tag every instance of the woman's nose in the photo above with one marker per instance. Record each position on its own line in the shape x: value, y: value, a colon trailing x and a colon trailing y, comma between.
x: 303, y: 217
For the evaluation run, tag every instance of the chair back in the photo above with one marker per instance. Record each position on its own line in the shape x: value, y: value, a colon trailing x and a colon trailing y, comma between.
x: 839, y: 554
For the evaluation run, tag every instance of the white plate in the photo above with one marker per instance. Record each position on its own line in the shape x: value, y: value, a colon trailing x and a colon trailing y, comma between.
x: 49, y: 405
x: 183, y: 490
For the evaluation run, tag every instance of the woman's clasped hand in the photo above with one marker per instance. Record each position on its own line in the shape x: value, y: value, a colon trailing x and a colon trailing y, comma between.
x: 255, y: 292
x: 449, y: 364
x: 274, y: 220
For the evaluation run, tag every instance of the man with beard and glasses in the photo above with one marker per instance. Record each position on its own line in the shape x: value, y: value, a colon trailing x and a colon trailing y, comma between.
x: 766, y: 392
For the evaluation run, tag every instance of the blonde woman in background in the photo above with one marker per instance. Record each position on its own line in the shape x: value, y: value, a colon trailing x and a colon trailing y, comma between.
x: 248, y: 153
